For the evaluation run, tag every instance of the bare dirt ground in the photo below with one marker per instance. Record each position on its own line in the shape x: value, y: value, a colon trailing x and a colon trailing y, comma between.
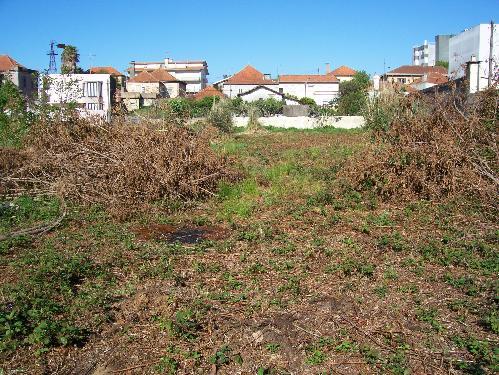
x: 288, y: 271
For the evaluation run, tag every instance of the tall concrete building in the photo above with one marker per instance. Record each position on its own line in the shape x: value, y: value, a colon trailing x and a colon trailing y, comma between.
x: 473, y: 45
x: 424, y: 55
x: 442, y: 47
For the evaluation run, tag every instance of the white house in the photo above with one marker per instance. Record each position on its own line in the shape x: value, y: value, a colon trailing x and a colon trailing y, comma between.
x: 343, y: 73
x: 265, y: 92
x: 193, y: 73
x: 321, y: 88
x: 90, y: 92
x: 424, y: 54
x: 158, y: 82
x: 474, y: 45
x: 247, y: 79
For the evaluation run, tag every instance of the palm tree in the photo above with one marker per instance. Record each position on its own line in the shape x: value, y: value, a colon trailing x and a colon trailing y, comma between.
x: 69, y: 58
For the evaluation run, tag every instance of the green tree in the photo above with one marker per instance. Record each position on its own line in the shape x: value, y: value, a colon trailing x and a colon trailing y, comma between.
x: 353, y: 95
x: 14, y: 119
x: 445, y: 64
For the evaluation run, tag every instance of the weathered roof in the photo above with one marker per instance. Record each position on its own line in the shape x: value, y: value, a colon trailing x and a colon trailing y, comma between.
x: 158, y: 75
x: 105, y: 70
x: 8, y: 63
x: 343, y: 71
x: 315, y: 78
x: 417, y: 70
x: 250, y: 76
x: 208, y: 91
x: 435, y: 78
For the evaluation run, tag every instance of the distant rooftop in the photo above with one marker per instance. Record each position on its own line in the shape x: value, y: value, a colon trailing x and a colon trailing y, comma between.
x: 105, y: 70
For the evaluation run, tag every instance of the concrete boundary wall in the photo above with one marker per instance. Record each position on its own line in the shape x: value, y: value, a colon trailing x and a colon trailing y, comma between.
x: 301, y: 122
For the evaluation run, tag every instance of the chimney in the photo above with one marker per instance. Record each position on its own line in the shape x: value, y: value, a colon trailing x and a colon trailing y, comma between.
x: 328, y: 68
x: 132, y: 69
x: 376, y: 79
x: 473, y: 75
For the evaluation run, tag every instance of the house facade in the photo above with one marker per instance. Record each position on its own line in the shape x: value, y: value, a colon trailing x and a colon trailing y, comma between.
x: 343, y: 73
x: 251, y: 84
x: 90, y: 92
x: 193, y: 73
x: 118, y: 80
x: 428, y: 80
x: 265, y: 92
x: 473, y: 45
x: 321, y: 88
x: 247, y: 79
x: 146, y: 87
x: 159, y: 82
x: 407, y: 74
x: 25, y: 79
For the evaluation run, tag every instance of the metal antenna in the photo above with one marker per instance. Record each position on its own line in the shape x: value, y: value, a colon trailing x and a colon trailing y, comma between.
x: 52, y: 64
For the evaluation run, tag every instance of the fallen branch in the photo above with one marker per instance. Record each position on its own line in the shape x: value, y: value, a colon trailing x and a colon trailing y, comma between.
x: 37, y: 230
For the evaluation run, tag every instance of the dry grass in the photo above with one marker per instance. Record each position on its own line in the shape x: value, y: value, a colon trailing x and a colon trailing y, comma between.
x: 309, y: 277
x: 435, y: 147
x: 119, y: 166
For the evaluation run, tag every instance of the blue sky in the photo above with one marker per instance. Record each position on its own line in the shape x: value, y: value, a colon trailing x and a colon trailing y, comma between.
x: 275, y: 36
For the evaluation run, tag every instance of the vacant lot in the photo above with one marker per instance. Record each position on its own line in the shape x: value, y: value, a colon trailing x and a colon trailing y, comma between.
x: 298, y: 273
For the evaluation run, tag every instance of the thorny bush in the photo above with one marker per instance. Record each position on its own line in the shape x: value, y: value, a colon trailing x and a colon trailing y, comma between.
x: 117, y: 165
x: 438, y: 146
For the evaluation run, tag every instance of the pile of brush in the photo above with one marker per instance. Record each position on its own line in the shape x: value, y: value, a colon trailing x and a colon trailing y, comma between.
x: 433, y: 147
x: 118, y: 165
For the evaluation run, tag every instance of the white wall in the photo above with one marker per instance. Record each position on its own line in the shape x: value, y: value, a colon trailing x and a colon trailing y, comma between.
x: 341, y: 122
x: 68, y: 88
x: 195, y: 81
x: 344, y: 78
x: 474, y: 41
x: 260, y: 93
x: 232, y: 90
x: 322, y: 93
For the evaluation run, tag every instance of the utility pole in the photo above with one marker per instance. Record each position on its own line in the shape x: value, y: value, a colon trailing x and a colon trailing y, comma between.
x: 491, y: 55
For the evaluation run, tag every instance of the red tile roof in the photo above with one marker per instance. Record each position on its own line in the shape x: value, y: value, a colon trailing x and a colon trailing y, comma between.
x: 8, y: 63
x: 208, y: 91
x: 249, y: 76
x: 163, y: 76
x: 433, y: 77
x: 158, y: 75
x: 343, y: 71
x: 299, y: 78
x: 105, y: 70
x: 417, y: 70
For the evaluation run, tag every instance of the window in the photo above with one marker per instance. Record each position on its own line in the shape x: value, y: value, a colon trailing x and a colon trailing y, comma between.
x: 281, y: 90
x: 92, y: 89
x: 94, y: 106
x: 401, y: 80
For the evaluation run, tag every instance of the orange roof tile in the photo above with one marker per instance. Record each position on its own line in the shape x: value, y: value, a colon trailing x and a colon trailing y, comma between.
x: 158, y: 75
x: 163, y: 76
x: 343, y: 71
x: 105, y: 70
x: 249, y: 76
x: 298, y: 78
x: 208, y: 91
x: 7, y: 63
